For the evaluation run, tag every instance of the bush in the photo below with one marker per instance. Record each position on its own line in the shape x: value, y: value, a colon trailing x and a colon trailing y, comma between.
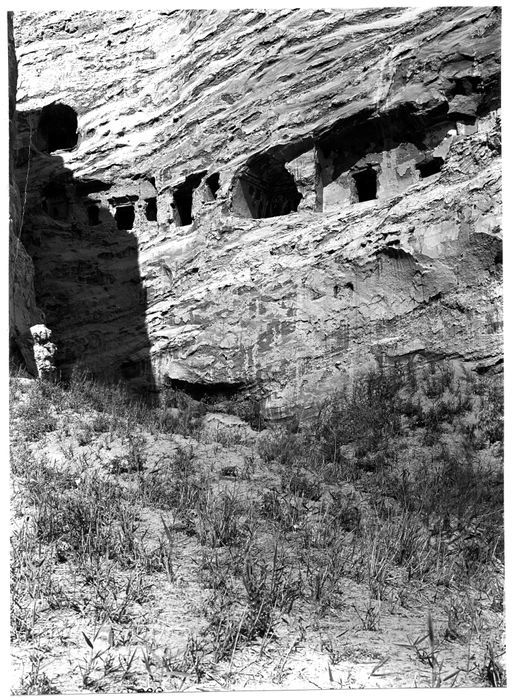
x: 278, y: 445
x: 368, y: 414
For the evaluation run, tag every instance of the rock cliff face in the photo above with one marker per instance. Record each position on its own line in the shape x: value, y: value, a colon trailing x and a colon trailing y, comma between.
x: 23, y: 310
x: 259, y: 202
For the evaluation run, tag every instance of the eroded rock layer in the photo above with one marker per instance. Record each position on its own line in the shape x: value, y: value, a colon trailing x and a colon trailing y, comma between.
x: 259, y: 202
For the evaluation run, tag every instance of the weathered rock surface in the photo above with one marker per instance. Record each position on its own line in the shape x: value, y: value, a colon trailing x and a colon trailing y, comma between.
x: 259, y: 202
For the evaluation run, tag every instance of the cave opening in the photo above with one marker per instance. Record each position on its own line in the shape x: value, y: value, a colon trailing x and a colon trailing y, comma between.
x: 151, y: 209
x: 213, y: 184
x: 265, y: 188
x: 466, y: 85
x: 430, y: 166
x: 183, y: 207
x: 366, y: 184
x: 93, y: 215
x: 215, y: 392
x: 55, y: 201
x: 58, y: 128
x: 183, y: 198
x: 125, y: 216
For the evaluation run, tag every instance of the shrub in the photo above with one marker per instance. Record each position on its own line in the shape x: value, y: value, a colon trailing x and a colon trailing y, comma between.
x: 301, y: 484
x: 281, y: 445
x: 368, y: 414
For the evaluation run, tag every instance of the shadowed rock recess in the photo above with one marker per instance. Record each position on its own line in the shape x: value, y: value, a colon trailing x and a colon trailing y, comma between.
x: 256, y: 204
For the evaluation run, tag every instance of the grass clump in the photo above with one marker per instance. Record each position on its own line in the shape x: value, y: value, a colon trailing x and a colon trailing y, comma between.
x: 222, y: 519
x: 239, y: 616
x: 83, y: 514
x: 174, y: 485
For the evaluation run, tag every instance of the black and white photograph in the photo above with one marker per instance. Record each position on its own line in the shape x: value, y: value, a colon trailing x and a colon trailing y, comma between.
x: 256, y: 352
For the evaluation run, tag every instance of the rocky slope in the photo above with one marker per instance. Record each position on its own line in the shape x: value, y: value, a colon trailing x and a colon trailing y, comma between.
x: 258, y: 203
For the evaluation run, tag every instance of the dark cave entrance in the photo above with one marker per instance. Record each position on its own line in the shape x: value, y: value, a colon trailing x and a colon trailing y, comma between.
x: 265, y: 188
x: 207, y: 393
x: 93, y: 215
x: 183, y: 197
x: 366, y: 184
x: 55, y: 201
x: 125, y: 216
x: 213, y: 184
x: 430, y: 166
x: 58, y: 128
x: 183, y: 207
x: 151, y: 209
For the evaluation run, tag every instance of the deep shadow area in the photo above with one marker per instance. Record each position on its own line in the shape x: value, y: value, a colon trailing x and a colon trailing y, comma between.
x: 183, y: 198
x: 344, y: 144
x: 264, y: 188
x: 366, y: 184
x: 213, y: 184
x: 430, y: 166
x: 208, y: 393
x: 87, y: 276
x: 57, y: 128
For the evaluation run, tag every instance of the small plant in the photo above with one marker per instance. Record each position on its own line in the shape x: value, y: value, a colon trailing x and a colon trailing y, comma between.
x: 493, y: 672
x: 301, y: 485
x: 282, y: 446
x: 113, y: 591
x: 194, y: 658
x: 222, y: 519
x: 165, y: 555
x: 135, y: 458
x: 99, y: 663
x: 36, y: 416
x: 176, y: 485
x: 286, y: 510
x: 429, y: 655
x: 31, y: 581
x: 36, y: 682
x: 370, y: 617
x: 269, y: 590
